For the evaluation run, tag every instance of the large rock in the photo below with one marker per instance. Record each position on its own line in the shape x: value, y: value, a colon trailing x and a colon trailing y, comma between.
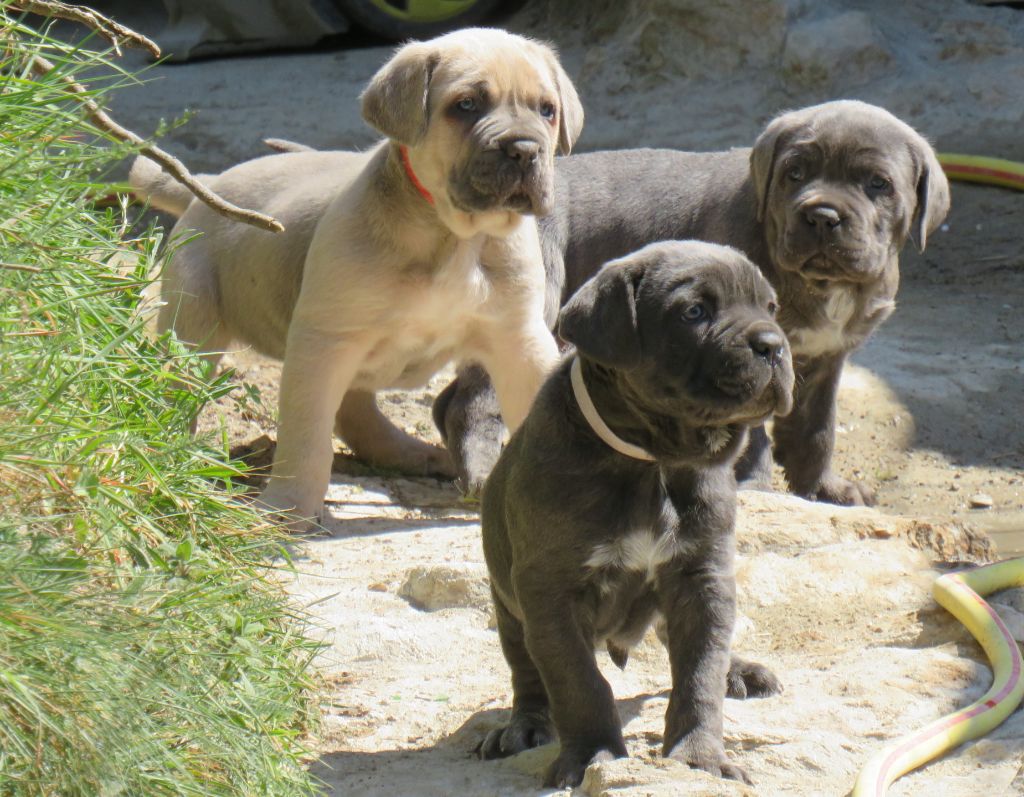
x: 819, y: 53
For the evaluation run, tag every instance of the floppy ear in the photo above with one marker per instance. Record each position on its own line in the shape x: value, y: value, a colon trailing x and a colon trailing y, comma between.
x: 570, y: 114
x: 397, y: 100
x: 600, y: 318
x: 932, y: 197
x: 762, y: 159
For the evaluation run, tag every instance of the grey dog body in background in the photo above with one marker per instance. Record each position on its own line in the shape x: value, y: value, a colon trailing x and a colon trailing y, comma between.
x: 822, y: 204
x: 587, y: 546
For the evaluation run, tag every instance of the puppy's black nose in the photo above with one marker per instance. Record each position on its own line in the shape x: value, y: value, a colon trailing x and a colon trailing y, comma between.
x: 769, y: 344
x: 522, y: 150
x: 823, y: 217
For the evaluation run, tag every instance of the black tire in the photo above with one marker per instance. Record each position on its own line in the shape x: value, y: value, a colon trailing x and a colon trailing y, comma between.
x: 368, y: 16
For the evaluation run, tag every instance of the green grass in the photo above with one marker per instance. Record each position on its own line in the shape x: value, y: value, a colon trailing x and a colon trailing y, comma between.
x: 143, y: 648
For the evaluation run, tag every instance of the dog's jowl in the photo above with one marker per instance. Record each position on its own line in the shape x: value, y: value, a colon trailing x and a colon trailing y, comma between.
x: 613, y: 504
x: 394, y: 261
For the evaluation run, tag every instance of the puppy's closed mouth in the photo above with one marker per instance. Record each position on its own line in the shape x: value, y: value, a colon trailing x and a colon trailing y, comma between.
x: 823, y: 271
x: 520, y: 201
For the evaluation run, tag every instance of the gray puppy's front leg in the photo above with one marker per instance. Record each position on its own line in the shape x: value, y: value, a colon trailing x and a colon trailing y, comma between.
x: 530, y: 725
x: 697, y: 591
x: 699, y: 609
x: 805, y: 439
x: 582, y: 704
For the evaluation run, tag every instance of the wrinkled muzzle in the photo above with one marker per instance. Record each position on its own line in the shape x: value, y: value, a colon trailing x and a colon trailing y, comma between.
x: 753, y: 373
x: 825, y: 239
x: 515, y: 174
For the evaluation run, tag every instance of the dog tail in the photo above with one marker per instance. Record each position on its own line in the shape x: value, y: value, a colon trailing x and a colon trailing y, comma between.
x: 284, y: 145
x: 153, y: 185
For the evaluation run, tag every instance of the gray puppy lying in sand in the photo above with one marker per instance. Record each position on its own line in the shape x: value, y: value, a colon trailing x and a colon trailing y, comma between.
x: 823, y: 204
x: 614, y: 502
x: 393, y: 262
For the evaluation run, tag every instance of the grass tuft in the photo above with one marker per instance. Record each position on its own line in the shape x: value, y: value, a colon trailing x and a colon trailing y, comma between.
x: 143, y: 648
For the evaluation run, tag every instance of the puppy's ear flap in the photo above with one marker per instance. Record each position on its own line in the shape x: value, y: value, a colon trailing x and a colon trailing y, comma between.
x: 762, y: 159
x: 397, y: 101
x: 600, y: 318
x: 570, y: 113
x: 932, y: 196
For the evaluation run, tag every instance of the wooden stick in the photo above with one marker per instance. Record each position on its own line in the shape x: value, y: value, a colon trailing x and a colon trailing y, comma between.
x: 115, y: 32
x: 170, y: 164
x: 110, y: 30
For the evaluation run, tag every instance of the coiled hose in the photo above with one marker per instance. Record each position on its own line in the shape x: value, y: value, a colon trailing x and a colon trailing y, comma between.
x: 960, y: 594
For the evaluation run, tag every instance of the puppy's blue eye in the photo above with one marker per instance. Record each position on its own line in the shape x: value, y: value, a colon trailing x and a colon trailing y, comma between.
x: 695, y: 312
x: 772, y: 308
x: 548, y: 110
x: 795, y: 173
x: 467, y: 104
x: 879, y: 183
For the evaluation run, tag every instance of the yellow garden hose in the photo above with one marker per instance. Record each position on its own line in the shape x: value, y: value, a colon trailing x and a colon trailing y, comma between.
x: 978, y: 169
x: 960, y: 594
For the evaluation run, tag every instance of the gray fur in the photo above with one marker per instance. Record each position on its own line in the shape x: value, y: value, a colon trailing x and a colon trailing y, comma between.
x: 586, y: 546
x: 610, y: 203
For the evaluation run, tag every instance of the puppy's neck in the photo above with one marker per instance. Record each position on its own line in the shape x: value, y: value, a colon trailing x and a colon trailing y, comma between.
x: 401, y: 206
x: 423, y: 178
x: 671, y: 440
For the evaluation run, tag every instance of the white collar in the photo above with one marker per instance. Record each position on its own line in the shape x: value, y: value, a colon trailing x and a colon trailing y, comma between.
x: 586, y: 404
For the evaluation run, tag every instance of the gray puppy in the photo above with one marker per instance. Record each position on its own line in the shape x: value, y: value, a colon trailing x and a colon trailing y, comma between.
x: 823, y: 204
x: 614, y: 502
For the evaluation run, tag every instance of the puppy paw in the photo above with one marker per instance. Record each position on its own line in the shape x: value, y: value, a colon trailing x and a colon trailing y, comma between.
x: 837, y: 490
x: 525, y: 731
x: 702, y: 751
x: 285, y: 511
x: 471, y: 487
x: 568, y: 769
x: 750, y: 679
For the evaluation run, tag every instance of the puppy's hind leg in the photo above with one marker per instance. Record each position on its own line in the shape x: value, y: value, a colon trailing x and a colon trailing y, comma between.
x: 374, y: 439
x: 467, y: 415
x: 530, y: 725
x: 189, y: 308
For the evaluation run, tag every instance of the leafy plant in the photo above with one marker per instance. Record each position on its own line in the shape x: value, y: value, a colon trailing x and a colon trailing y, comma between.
x: 145, y: 645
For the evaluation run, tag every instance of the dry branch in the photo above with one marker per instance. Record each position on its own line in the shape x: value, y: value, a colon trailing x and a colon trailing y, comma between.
x: 175, y: 168
x: 110, y: 30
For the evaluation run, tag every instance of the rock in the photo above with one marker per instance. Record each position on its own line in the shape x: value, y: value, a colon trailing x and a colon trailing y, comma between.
x: 661, y: 777
x: 1013, y: 619
x: 463, y: 586
x: 760, y: 526
x: 980, y: 501
x: 819, y: 52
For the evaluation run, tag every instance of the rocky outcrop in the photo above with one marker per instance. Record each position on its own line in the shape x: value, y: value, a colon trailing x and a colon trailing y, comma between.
x: 698, y: 75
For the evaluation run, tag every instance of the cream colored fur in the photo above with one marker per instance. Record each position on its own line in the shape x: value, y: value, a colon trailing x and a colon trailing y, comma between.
x: 370, y: 286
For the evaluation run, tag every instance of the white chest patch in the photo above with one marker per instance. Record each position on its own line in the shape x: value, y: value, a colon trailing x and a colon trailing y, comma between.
x: 431, y: 319
x: 829, y: 336
x: 639, y: 551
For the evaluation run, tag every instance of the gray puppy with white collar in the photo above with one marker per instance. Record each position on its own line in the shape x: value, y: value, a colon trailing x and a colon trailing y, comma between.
x: 614, y: 502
